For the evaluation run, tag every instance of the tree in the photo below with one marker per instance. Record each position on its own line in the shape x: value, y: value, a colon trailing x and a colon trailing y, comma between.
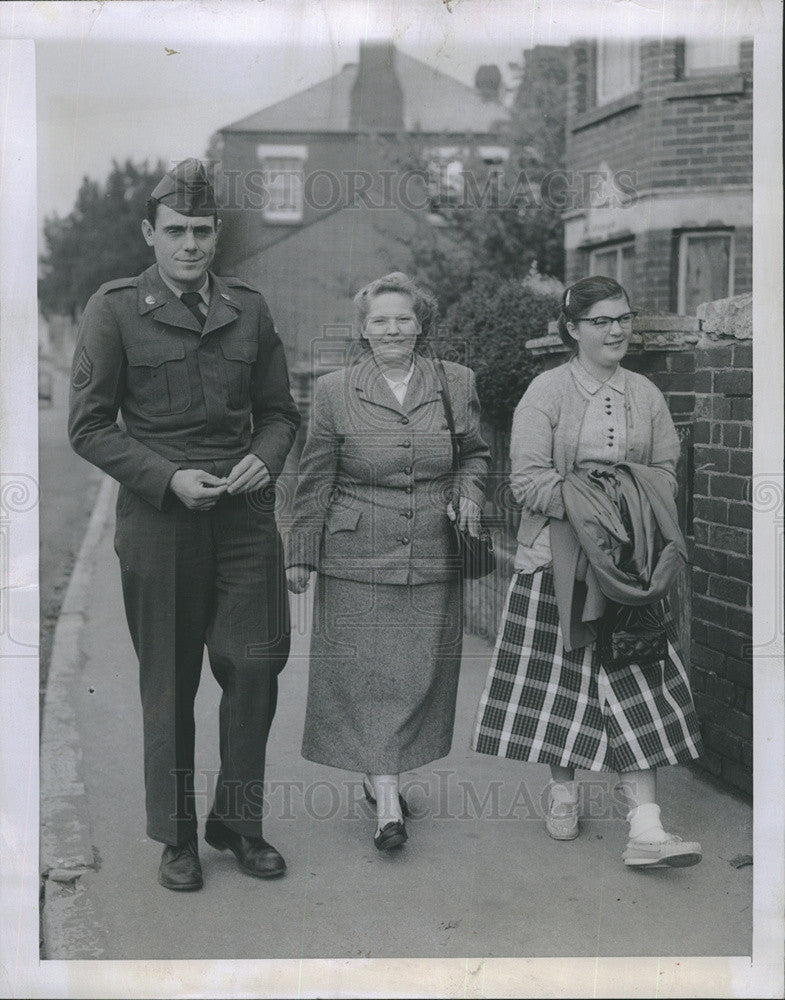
x: 488, y: 326
x: 500, y: 237
x: 100, y: 239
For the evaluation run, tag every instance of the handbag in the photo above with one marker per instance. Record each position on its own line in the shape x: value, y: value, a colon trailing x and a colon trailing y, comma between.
x: 632, y: 634
x: 476, y: 553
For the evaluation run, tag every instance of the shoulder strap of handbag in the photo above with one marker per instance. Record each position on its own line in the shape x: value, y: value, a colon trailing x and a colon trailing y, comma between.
x: 450, y: 422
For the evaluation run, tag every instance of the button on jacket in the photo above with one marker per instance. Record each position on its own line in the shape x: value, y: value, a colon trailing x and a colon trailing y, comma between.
x: 187, y: 396
x: 375, y: 474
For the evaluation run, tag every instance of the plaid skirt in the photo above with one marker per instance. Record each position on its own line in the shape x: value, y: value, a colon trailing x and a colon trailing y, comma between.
x: 544, y: 704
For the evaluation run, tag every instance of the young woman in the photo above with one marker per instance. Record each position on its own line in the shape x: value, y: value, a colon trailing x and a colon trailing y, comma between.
x: 549, y: 697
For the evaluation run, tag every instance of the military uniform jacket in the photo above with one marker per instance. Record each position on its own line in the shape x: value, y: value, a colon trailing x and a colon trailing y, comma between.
x: 186, y: 395
x: 375, y: 475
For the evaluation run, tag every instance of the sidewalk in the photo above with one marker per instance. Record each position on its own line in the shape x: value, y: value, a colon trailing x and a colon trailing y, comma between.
x: 478, y: 877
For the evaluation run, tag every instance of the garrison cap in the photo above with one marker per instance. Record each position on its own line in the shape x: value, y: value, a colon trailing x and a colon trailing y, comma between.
x: 186, y: 189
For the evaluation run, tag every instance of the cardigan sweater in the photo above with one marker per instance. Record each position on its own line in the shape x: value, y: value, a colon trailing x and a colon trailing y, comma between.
x: 546, y: 430
x: 603, y: 439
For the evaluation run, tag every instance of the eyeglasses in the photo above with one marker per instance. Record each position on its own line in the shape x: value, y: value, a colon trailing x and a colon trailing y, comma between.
x: 604, y: 323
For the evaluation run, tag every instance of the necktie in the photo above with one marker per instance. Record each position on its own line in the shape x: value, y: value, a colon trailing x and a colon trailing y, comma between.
x: 192, y: 300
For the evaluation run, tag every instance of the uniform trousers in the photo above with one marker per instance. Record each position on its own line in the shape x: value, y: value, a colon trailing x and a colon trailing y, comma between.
x: 193, y: 579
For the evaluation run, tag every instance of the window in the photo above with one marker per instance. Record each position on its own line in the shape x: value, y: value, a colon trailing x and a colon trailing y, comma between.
x: 617, y: 262
x: 705, y: 268
x: 450, y: 186
x: 445, y: 177
x: 618, y: 69
x: 707, y: 57
x: 494, y: 160
x: 282, y: 174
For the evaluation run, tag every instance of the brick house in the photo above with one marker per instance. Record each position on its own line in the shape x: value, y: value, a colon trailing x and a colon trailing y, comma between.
x: 325, y: 190
x: 659, y: 156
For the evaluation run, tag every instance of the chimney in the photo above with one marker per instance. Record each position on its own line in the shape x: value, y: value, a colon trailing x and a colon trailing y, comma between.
x: 376, y: 99
x: 487, y: 81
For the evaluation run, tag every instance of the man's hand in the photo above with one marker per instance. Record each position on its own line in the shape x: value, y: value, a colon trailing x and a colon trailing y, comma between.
x: 196, y: 489
x: 468, y: 516
x: 297, y: 578
x: 249, y: 474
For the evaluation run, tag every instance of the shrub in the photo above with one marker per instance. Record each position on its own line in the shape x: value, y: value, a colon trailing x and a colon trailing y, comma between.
x: 489, y: 325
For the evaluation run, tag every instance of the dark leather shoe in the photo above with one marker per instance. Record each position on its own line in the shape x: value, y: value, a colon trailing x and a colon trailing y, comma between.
x: 180, y: 869
x: 254, y: 855
x: 390, y: 836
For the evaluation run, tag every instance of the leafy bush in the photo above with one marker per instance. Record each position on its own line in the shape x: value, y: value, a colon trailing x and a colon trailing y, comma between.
x: 490, y: 324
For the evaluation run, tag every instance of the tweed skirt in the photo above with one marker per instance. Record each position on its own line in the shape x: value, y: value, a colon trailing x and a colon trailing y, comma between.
x: 383, y: 674
x: 541, y: 703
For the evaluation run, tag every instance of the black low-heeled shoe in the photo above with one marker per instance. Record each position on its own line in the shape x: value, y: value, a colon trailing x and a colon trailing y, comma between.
x: 254, y: 855
x: 391, y: 836
x: 401, y: 800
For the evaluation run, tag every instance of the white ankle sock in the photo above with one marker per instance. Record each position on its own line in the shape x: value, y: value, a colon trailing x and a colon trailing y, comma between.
x: 645, y: 823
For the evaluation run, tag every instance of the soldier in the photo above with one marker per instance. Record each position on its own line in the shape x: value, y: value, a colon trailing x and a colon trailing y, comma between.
x: 193, y: 364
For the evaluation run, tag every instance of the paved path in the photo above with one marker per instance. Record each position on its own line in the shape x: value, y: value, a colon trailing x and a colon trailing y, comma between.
x: 478, y: 877
x: 68, y: 486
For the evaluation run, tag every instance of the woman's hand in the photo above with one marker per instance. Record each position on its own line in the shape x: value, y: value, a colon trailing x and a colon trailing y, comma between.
x: 468, y: 516
x: 297, y: 578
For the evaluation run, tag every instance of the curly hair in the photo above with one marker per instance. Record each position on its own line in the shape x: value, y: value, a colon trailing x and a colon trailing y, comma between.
x: 423, y: 304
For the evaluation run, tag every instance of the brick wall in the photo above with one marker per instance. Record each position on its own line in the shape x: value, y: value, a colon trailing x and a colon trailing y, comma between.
x: 675, y: 133
x: 722, y: 560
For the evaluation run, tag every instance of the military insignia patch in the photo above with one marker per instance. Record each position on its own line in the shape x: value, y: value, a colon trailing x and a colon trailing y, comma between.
x: 83, y: 370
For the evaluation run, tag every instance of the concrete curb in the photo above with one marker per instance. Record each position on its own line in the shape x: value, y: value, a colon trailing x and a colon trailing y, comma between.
x: 67, y: 859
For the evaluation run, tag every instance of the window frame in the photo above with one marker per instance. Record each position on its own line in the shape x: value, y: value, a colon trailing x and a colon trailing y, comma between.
x: 601, y: 97
x: 684, y: 236
x: 267, y: 153
x: 716, y: 69
x: 438, y: 160
x: 617, y: 246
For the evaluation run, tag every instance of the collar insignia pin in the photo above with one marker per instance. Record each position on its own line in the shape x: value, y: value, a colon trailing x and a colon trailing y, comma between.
x: 150, y: 300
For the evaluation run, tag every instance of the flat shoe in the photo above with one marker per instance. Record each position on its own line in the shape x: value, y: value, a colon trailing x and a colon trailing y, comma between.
x: 390, y: 836
x: 561, y: 824
x: 562, y: 827
x: 402, y: 801
x: 671, y: 853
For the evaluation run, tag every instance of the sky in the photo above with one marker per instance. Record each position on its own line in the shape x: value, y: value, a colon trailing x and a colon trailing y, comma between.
x: 144, y: 79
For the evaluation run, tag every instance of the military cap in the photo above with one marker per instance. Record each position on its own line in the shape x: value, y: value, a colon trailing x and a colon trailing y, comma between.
x: 186, y: 189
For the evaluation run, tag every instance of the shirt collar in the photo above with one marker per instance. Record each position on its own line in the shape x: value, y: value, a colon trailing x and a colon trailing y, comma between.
x: 593, y: 385
x: 400, y: 381
x: 204, y: 291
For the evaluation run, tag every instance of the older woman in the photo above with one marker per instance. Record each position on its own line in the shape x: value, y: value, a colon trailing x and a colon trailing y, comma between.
x: 372, y: 516
x: 550, y: 695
